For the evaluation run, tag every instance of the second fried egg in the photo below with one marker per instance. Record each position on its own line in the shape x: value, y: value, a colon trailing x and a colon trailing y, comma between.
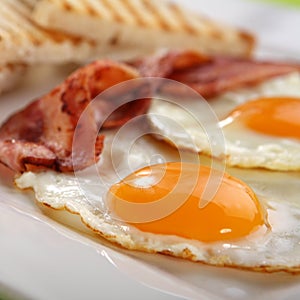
x: 260, y: 124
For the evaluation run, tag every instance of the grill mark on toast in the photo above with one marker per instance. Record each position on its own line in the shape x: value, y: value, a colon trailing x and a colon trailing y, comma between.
x: 90, y: 10
x: 180, y: 17
x: 115, y: 15
x: 136, y: 16
x: 152, y: 8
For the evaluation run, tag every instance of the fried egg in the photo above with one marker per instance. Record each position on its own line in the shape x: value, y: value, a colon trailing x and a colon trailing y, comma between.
x: 260, y: 125
x: 244, y: 226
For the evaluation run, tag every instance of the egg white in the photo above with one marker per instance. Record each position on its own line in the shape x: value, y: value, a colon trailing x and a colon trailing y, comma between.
x: 243, y: 147
x: 277, y: 249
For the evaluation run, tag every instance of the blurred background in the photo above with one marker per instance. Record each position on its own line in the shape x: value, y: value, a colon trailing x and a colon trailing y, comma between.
x: 276, y: 23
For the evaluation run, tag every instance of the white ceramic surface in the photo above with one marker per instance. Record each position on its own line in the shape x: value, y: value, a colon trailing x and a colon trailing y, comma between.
x: 40, y: 258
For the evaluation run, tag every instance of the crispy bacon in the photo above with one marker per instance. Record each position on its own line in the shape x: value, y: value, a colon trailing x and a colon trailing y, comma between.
x: 209, y: 76
x: 41, y: 135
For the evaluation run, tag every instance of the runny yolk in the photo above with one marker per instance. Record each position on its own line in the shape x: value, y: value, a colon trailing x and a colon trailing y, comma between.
x: 272, y: 116
x: 233, y: 212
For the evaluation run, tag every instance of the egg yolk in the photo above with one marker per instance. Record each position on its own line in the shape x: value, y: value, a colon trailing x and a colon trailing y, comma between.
x: 233, y: 212
x: 272, y: 116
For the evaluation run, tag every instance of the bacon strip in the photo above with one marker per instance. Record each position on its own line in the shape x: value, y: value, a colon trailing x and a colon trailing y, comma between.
x: 41, y: 135
x: 209, y: 76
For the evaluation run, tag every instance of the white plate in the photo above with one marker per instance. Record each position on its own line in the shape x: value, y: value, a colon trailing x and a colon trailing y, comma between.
x: 40, y: 258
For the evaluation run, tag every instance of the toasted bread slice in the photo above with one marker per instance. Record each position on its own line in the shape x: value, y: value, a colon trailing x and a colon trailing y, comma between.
x: 10, y: 74
x: 142, y: 24
x: 21, y: 40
